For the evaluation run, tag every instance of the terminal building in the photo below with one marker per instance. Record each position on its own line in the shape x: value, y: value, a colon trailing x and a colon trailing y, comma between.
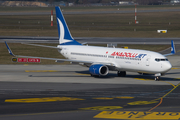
x: 174, y: 1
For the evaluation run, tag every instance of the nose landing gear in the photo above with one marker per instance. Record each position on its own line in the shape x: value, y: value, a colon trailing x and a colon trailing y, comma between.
x: 157, y: 76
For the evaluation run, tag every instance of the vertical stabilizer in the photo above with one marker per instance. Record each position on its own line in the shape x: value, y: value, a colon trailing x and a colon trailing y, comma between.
x: 173, y: 51
x: 65, y: 37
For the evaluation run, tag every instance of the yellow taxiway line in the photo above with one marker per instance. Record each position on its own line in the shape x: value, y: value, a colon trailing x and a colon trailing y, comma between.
x: 42, y: 71
x: 47, y: 99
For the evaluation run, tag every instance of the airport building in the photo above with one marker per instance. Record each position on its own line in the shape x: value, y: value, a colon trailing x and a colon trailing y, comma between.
x: 174, y: 1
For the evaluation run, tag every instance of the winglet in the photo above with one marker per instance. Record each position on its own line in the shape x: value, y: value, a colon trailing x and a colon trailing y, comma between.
x: 173, y: 51
x: 9, y: 50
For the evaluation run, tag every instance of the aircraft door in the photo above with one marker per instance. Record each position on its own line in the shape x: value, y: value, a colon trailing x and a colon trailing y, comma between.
x: 148, y: 60
x: 66, y: 53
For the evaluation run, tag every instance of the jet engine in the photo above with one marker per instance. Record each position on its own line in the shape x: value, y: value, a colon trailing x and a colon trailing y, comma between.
x: 98, y: 69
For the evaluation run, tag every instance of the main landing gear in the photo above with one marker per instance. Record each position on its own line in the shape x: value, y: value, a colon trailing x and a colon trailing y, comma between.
x: 121, y: 73
x: 96, y: 76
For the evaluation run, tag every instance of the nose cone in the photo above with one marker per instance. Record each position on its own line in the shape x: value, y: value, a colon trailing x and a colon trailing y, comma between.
x: 167, y: 66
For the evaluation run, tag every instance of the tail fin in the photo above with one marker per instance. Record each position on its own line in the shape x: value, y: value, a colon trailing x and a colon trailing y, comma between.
x: 173, y: 51
x: 65, y: 37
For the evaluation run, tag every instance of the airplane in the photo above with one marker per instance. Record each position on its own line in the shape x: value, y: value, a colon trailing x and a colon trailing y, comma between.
x: 101, y: 60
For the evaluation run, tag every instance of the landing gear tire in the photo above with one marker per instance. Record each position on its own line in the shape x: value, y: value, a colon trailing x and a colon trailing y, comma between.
x: 157, y: 78
x: 96, y: 76
x: 121, y: 73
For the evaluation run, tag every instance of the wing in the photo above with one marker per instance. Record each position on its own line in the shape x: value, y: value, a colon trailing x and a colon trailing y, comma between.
x: 42, y: 46
x: 111, y: 66
x: 56, y: 59
x: 173, y: 51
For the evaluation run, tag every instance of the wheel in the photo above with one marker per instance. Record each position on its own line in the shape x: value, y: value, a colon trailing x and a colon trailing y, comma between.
x: 121, y: 73
x: 157, y: 78
x: 96, y: 76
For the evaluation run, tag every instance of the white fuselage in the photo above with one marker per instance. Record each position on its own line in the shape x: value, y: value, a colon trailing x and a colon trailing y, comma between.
x: 135, y: 60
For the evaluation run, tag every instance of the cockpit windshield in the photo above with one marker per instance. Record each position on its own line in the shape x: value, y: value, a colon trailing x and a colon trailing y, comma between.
x: 158, y: 59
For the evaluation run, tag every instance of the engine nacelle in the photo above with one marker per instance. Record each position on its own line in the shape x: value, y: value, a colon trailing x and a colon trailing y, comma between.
x: 98, y: 69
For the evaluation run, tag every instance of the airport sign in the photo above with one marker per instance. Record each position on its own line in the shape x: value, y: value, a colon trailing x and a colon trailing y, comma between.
x: 34, y: 60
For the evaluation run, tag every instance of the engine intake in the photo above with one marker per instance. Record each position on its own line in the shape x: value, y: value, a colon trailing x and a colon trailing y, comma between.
x: 98, y: 69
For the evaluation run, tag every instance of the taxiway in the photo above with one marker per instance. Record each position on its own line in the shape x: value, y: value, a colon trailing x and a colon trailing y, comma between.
x: 68, y: 92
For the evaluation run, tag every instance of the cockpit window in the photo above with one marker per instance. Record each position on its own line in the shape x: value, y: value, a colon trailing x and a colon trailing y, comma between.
x: 158, y: 59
